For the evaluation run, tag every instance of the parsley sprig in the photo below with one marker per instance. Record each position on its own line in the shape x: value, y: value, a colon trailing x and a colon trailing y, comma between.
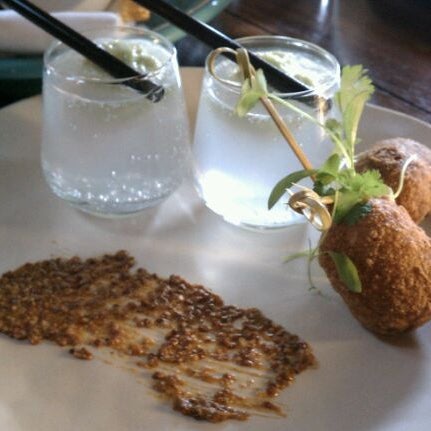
x: 336, y: 179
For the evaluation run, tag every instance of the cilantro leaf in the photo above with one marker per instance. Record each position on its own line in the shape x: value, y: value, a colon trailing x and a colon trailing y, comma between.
x: 367, y: 184
x: 354, y: 81
x: 355, y: 90
x: 358, y: 188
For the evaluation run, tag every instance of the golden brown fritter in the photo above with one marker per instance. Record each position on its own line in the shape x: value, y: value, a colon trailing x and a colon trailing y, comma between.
x: 388, y: 157
x: 393, y: 258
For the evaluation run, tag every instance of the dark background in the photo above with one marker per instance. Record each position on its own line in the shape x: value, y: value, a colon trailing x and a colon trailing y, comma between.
x: 391, y: 38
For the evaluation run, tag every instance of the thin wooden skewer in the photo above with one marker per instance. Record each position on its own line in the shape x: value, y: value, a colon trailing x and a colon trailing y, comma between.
x: 299, y: 153
x: 249, y: 71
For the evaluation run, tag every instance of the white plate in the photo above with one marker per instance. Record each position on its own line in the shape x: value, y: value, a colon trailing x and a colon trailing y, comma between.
x: 362, y: 383
x: 82, y: 5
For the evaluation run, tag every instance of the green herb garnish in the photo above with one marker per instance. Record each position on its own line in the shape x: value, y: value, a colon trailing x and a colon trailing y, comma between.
x: 357, y: 189
x: 336, y: 179
x: 310, y: 254
x: 337, y: 175
x: 251, y: 92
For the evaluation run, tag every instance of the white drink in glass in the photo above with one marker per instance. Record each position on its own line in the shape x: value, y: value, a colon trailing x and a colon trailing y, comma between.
x: 106, y: 148
x: 239, y: 160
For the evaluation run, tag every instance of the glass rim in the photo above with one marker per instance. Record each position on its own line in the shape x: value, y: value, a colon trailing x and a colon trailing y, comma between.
x: 292, y: 42
x: 47, y: 60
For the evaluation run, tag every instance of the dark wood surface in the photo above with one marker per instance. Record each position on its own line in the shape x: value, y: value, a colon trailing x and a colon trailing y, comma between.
x: 394, y: 45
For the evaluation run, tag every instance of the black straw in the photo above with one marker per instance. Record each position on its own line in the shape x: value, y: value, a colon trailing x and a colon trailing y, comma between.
x: 216, y: 39
x: 110, y: 64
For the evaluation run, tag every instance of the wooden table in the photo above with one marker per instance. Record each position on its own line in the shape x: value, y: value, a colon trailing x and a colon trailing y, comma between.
x: 393, y: 47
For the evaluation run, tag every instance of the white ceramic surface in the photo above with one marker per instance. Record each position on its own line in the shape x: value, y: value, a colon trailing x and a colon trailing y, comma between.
x: 362, y: 383
x: 20, y: 36
x: 81, y: 5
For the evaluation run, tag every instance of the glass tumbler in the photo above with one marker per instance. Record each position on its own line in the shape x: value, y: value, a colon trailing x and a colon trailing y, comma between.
x: 106, y: 148
x: 239, y: 160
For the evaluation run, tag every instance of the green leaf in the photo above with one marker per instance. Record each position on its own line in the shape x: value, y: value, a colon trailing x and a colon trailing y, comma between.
x: 260, y: 82
x: 332, y: 165
x: 353, y: 82
x: 351, y: 116
x: 355, y: 90
x: 356, y: 213
x: 347, y: 271
x: 329, y: 171
x: 358, y: 189
x: 247, y: 100
x: 251, y: 91
x: 324, y: 179
x: 280, y: 188
x: 335, y: 127
x: 368, y: 184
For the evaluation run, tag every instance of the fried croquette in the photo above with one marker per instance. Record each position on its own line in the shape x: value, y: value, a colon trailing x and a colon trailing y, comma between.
x: 388, y: 157
x: 393, y: 258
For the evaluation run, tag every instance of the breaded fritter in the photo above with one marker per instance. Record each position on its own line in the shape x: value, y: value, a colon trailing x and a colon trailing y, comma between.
x: 393, y: 258
x: 388, y: 157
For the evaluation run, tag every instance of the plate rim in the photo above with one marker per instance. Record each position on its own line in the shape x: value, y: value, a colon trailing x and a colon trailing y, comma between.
x: 322, y: 345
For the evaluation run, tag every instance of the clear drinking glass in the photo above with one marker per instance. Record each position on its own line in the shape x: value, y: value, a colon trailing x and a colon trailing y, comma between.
x: 106, y: 148
x: 239, y: 160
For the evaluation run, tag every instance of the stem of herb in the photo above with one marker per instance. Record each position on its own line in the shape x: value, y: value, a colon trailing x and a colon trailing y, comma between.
x: 403, y: 174
x: 334, y: 137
